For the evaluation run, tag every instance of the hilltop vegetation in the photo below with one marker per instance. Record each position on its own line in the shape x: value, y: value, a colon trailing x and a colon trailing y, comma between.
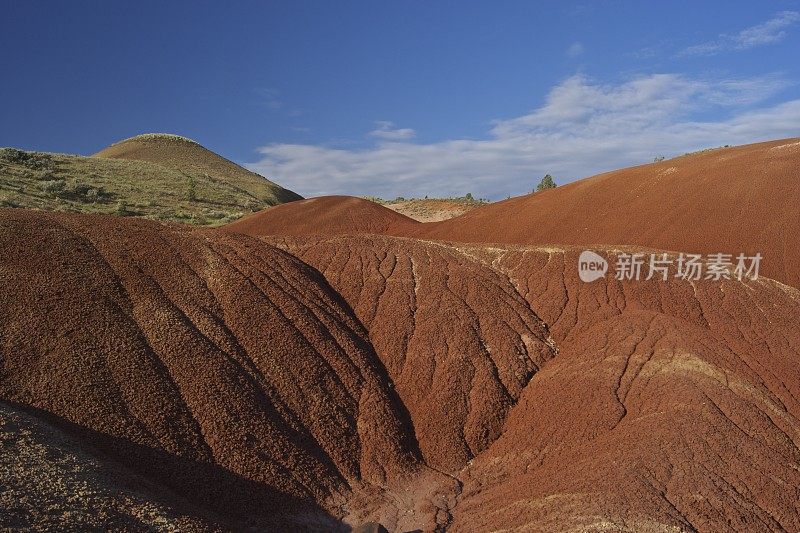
x: 197, y: 186
x: 431, y: 209
x: 467, y: 199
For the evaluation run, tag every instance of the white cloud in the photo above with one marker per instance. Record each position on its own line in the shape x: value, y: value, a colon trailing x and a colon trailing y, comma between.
x: 575, y: 49
x: 769, y: 32
x: 582, y: 128
x: 386, y: 130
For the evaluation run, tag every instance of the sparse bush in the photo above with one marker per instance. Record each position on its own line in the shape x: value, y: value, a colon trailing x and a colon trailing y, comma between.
x: 12, y: 155
x: 44, y: 175
x: 469, y: 197
x: 9, y: 202
x: 81, y: 192
x: 375, y: 199
x: 191, y: 194
x: 79, y: 189
x: 40, y: 162
x: 215, y: 215
x: 547, y: 182
x: 122, y: 208
x: 96, y: 194
x: 54, y: 187
x: 254, y: 205
x: 658, y: 159
x: 31, y: 160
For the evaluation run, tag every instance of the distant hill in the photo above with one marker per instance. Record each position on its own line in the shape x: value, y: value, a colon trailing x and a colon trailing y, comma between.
x: 157, y: 176
x: 180, y: 153
x: 432, y: 209
x: 325, y: 215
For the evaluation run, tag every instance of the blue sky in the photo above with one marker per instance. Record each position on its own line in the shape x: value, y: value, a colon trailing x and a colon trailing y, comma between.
x: 404, y: 98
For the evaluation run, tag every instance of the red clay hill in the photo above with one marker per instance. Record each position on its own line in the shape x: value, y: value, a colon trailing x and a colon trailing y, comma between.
x: 325, y: 215
x: 731, y: 200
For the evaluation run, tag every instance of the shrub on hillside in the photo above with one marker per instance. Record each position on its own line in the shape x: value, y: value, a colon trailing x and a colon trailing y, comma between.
x: 191, y: 194
x: 12, y: 155
x: 44, y: 175
x: 53, y: 187
x: 84, y: 192
x: 9, y: 202
x: 31, y: 160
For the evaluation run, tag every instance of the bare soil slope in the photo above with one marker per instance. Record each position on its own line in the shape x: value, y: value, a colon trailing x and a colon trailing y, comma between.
x: 186, y: 155
x: 326, y: 215
x: 670, y: 406
x: 457, y: 340
x: 732, y: 200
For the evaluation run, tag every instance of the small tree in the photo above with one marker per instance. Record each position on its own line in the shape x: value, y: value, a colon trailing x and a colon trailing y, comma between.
x: 469, y: 197
x: 546, y: 183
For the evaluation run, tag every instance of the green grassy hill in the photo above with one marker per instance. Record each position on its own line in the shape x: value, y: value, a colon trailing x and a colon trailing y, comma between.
x: 158, y: 176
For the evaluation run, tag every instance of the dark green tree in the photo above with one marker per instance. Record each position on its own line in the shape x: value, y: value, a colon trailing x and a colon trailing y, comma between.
x: 546, y: 183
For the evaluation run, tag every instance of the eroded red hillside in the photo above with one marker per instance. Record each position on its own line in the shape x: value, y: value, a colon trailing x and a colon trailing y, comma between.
x: 659, y: 405
x: 224, y: 368
x: 318, y: 383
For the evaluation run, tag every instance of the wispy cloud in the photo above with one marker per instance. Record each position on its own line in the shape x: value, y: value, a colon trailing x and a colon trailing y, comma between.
x: 583, y: 127
x: 648, y: 52
x: 771, y: 31
x: 269, y: 99
x: 385, y: 130
x: 575, y: 49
